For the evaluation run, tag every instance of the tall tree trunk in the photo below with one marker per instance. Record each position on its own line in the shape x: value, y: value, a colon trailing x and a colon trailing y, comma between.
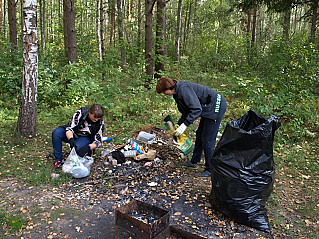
x: 195, y: 25
x: 139, y: 24
x: 12, y: 18
x: 102, y: 29
x: 42, y: 24
x: 149, y: 4
x: 1, y: 23
x: 314, y: 18
x: 28, y: 108
x: 121, y: 34
x: 178, y: 31
x: 295, y: 21
x: 4, y: 16
x: 218, y: 29
x: 69, y: 30
x: 267, y: 30
x: 248, y: 30
x: 253, y: 30
x: 112, y: 19
x: 160, y: 37
x: 98, y: 32
x: 286, y: 24
x: 186, y: 26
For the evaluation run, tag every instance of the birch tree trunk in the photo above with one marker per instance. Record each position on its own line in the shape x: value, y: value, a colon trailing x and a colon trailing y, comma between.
x: 98, y: 32
x: 121, y: 34
x: 178, y: 30
x: 102, y: 29
x: 112, y: 19
x: 195, y: 25
x: 69, y: 30
x: 28, y: 108
x: 160, y: 37
x: 187, y: 23
x: 12, y: 18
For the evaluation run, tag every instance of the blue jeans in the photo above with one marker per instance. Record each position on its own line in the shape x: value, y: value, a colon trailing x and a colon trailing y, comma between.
x: 58, y: 136
x: 206, y: 137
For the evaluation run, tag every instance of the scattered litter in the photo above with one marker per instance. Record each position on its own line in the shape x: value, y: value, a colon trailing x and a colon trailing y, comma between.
x: 130, y: 153
x: 106, y: 139
x: 148, y: 164
x: 137, y: 147
x: 119, y: 156
x: 146, y: 137
x: 152, y: 184
x: 150, y: 155
x: 54, y: 176
x: 106, y: 152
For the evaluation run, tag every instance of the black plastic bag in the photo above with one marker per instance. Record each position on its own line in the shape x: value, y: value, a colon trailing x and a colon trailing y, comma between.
x: 119, y: 156
x: 243, y: 169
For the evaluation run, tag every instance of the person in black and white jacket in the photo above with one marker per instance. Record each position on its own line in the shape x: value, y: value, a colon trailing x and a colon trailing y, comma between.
x: 84, y: 132
x: 193, y: 101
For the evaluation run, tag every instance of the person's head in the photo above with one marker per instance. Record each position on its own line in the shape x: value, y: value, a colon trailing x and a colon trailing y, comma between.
x: 96, y: 112
x: 166, y: 85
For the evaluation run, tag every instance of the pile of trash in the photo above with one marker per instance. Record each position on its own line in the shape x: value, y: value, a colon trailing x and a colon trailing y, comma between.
x: 150, y: 145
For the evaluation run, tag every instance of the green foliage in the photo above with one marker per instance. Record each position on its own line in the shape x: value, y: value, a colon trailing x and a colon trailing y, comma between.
x: 10, y: 76
x: 286, y: 84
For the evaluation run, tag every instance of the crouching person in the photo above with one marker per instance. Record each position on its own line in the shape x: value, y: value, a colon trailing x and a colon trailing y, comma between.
x: 84, y: 133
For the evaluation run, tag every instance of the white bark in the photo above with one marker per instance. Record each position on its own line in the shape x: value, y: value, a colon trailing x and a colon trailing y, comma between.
x: 28, y: 107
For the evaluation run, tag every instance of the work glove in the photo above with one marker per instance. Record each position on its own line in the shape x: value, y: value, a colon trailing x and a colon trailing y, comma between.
x: 180, y: 130
x: 72, y: 143
x: 83, y: 151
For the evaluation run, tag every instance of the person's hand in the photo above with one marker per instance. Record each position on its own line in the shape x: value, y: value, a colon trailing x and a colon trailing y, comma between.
x: 72, y: 143
x: 83, y: 151
x: 180, y: 130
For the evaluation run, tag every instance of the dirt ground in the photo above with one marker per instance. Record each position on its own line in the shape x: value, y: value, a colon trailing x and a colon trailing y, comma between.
x: 85, y: 208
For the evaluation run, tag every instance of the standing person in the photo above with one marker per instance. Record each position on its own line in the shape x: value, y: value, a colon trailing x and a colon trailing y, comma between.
x: 193, y: 101
x: 84, y: 132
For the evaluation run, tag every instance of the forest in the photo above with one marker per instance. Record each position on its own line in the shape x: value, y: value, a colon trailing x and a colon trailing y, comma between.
x: 57, y: 56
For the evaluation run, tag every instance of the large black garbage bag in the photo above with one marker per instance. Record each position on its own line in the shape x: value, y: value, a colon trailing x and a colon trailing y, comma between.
x: 243, y: 169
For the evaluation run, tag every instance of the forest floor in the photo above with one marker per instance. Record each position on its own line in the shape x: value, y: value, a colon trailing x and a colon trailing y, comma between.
x: 85, y: 208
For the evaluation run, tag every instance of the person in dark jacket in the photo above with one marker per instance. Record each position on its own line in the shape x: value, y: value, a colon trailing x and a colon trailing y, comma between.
x: 84, y: 132
x: 193, y: 101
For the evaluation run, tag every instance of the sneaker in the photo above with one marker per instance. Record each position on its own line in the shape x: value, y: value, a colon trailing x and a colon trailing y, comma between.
x: 203, y: 174
x: 189, y: 164
x: 57, y: 164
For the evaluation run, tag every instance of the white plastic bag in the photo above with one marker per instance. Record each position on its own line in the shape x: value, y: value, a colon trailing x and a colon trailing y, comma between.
x: 77, y: 166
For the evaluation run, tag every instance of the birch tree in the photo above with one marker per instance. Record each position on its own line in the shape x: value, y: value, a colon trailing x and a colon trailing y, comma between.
x: 178, y: 30
x: 121, y: 34
x: 28, y: 108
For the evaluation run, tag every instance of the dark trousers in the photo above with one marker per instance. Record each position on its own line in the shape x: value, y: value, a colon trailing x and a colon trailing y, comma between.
x: 206, y: 137
x: 58, y: 136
